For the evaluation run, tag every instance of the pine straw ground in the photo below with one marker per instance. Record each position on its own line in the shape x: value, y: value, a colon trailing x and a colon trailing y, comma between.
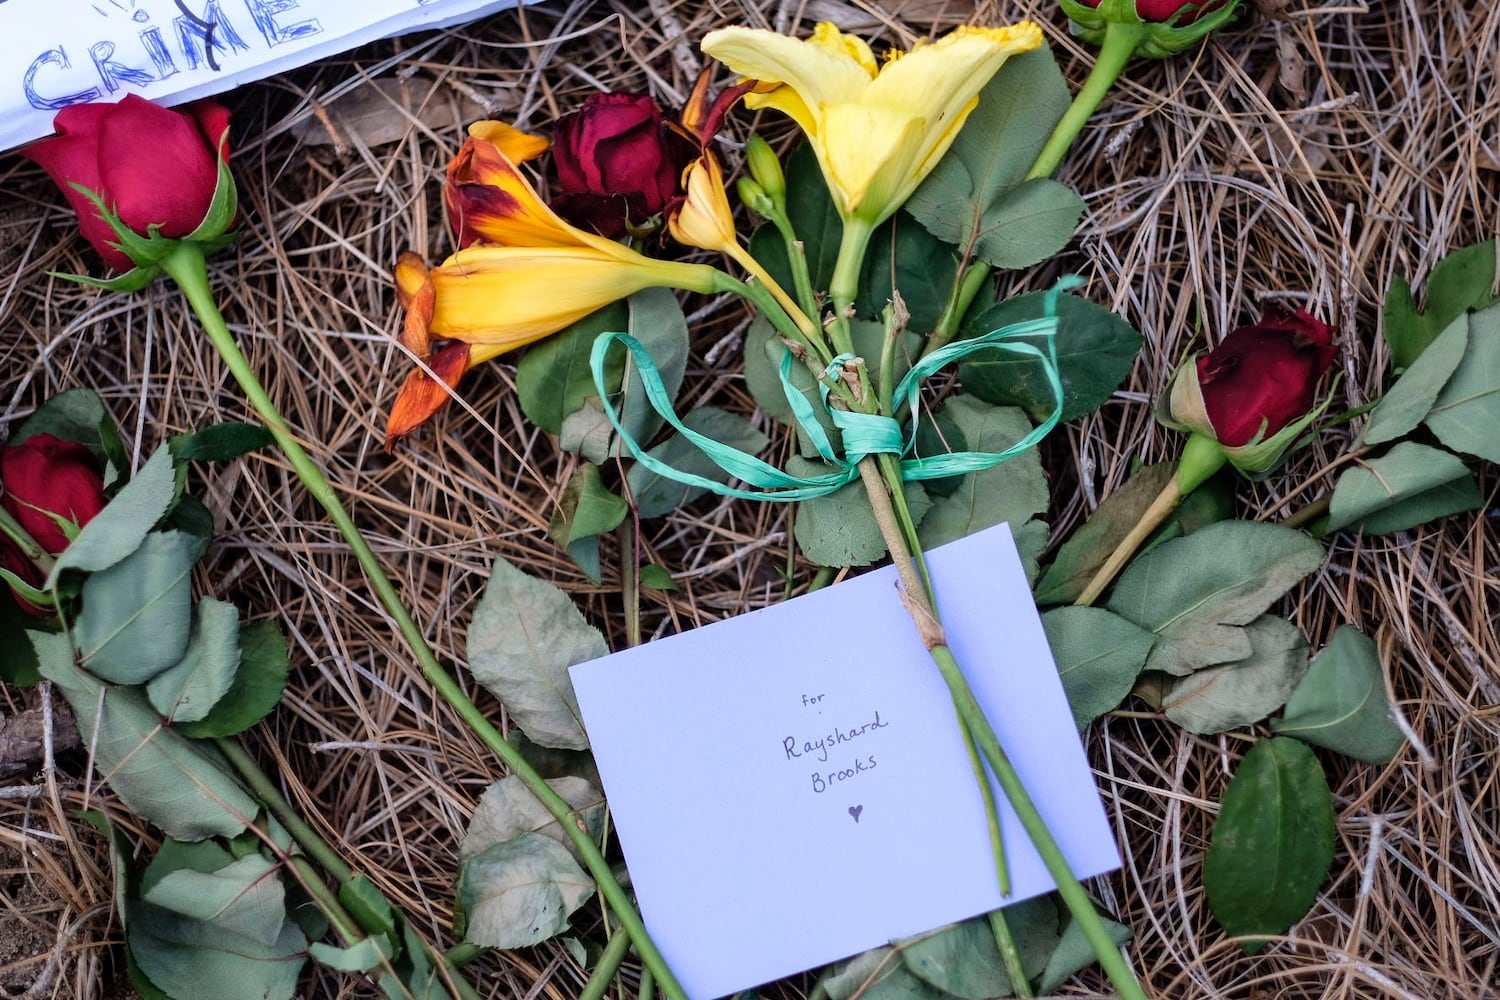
x: 1300, y: 160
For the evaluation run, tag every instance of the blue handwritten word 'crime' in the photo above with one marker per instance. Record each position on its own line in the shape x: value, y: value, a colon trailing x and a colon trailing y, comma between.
x: 155, y: 52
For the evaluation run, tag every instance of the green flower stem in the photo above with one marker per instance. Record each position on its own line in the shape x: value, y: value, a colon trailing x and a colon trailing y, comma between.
x: 843, y: 287
x: 966, y: 286
x: 1005, y: 941
x: 344, y: 924
x: 972, y: 717
x: 1120, y: 43
x: 1011, y: 955
x: 1166, y: 501
x: 186, y: 266
x: 647, y: 989
x: 30, y: 547
x: 1082, y: 908
x: 1307, y: 515
x: 796, y: 255
x: 609, y: 964
x: 1201, y: 458
x: 630, y: 577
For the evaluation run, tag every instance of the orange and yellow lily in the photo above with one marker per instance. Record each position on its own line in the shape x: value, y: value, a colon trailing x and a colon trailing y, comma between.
x: 521, y: 274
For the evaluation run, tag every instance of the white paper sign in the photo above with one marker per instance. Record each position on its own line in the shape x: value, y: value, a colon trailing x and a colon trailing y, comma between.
x: 54, y: 53
x: 790, y: 786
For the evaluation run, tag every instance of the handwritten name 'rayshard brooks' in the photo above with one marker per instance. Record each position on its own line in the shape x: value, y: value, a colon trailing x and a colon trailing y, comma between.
x: 147, y: 50
x: 818, y: 749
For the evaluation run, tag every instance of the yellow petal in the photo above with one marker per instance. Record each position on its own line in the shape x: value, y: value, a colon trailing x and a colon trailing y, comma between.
x: 820, y: 73
x: 517, y: 146
x: 704, y: 218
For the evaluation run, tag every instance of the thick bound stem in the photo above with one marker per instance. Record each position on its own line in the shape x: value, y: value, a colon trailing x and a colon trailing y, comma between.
x: 973, y: 719
x: 186, y: 266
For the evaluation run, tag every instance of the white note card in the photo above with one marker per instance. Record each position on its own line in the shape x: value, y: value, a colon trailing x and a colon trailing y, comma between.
x: 54, y: 53
x: 790, y: 786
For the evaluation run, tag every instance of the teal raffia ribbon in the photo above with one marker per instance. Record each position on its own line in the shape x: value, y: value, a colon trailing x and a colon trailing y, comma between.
x: 863, y: 433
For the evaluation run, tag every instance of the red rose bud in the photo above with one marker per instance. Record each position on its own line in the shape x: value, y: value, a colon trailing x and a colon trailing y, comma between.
x: 46, y: 482
x: 618, y: 163
x: 151, y: 175
x: 1255, y: 392
x: 1165, y: 26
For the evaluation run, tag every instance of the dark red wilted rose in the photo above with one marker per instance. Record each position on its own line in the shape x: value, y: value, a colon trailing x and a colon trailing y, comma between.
x: 1249, y: 398
x: 45, y: 478
x: 152, y: 165
x: 618, y: 163
x: 1161, y: 11
x: 1264, y: 375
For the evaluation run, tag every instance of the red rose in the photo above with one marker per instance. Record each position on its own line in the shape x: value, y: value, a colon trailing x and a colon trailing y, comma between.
x: 1162, y: 11
x: 45, y: 478
x: 618, y: 163
x: 1264, y: 376
x: 151, y: 165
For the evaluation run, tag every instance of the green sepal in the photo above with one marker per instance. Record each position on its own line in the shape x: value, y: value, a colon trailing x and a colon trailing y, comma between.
x: 132, y: 280
x: 40, y: 598
x: 1159, y: 39
x: 222, y: 210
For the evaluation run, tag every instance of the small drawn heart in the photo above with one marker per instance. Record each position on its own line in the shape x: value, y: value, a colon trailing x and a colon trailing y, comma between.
x: 855, y: 811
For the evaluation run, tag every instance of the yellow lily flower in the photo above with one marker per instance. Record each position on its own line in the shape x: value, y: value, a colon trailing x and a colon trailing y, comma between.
x: 877, y: 130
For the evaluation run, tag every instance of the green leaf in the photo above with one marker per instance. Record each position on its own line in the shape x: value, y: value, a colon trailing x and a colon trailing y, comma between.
x: 72, y: 415
x: 839, y: 530
x: 656, y: 320
x: 978, y: 195
x: 525, y: 635
x: 508, y: 809
x: 137, y: 614
x: 1095, y: 351
x: 1012, y: 491
x: 204, y: 675
x: 190, y: 515
x: 520, y: 892
x: 365, y: 955
x: 963, y: 961
x: 1224, y: 697
x: 553, y: 378
x: 586, y: 511
x: 656, y: 495
x: 220, y: 442
x: 1272, y: 843
x: 118, y: 529
x: 370, y: 910
x: 1468, y: 410
x: 1411, y: 398
x: 17, y: 659
x: 1081, y: 555
x: 878, y: 974
x: 414, y: 975
x: 656, y: 577
x: 1074, y: 952
x: 1098, y: 654
x: 1195, y: 592
x: 904, y: 256
x: 223, y: 935
x: 1409, y: 485
x: 166, y: 779
x: 1401, y: 325
x: 256, y: 687
x: 1341, y: 705
x: 1459, y: 282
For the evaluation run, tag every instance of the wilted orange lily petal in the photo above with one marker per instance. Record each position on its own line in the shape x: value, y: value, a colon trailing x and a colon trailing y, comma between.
x: 415, y: 293
x: 421, y: 395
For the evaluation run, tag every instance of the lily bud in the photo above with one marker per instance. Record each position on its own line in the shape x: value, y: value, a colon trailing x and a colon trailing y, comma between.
x: 755, y: 198
x: 765, y: 168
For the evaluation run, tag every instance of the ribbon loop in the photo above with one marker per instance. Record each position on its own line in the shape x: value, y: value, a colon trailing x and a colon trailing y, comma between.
x: 863, y: 434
